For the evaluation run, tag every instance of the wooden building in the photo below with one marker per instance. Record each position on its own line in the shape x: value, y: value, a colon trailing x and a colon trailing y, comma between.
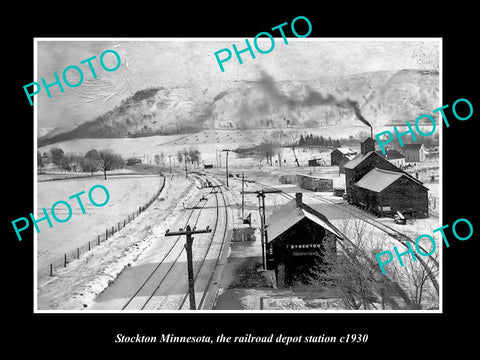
x: 394, y: 156
x: 414, y: 152
x: 361, y: 164
x: 341, y: 154
x: 384, y: 192
x: 298, y: 237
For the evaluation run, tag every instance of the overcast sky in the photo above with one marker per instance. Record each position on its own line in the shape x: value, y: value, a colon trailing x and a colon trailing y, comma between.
x: 180, y: 62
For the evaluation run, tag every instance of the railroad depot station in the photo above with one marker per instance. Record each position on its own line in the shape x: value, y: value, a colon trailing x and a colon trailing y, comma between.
x: 298, y: 238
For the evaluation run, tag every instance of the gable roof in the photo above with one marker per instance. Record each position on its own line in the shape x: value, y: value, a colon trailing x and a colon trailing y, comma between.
x: 289, y: 214
x: 369, y: 139
x: 412, y: 146
x: 378, y: 180
x: 352, y: 164
x: 391, y: 154
x: 345, y: 150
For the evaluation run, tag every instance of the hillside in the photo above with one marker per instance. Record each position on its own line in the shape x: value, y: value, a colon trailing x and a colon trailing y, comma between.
x: 383, y: 97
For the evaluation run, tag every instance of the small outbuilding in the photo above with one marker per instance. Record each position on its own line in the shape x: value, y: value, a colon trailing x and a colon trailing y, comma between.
x: 298, y: 238
x: 341, y: 154
x: 316, y: 162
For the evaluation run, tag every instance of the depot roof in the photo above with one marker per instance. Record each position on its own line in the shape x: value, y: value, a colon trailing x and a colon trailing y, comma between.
x: 291, y: 213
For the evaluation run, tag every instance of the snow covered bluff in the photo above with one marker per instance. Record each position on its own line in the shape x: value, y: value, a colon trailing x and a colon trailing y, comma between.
x: 260, y: 104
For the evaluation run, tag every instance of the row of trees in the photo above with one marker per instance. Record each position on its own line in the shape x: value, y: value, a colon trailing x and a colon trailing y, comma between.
x: 191, y: 155
x: 92, y: 161
x: 315, y: 140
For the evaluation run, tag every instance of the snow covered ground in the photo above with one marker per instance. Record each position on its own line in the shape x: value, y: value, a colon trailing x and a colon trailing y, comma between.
x: 343, y: 216
x: 76, y: 286
x: 127, y: 193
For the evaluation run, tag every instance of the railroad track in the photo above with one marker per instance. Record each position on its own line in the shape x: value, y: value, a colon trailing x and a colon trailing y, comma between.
x: 160, y: 274
x: 216, y: 232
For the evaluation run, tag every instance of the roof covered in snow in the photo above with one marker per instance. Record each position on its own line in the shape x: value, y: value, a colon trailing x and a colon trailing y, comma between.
x: 412, y: 146
x: 345, y: 150
x: 378, y: 179
x: 289, y: 214
x: 352, y: 164
x: 391, y: 154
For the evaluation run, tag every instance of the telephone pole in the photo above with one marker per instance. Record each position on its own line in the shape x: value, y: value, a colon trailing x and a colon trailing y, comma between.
x: 226, y: 165
x: 243, y: 196
x: 188, y: 247
x: 261, y: 210
x: 185, y: 160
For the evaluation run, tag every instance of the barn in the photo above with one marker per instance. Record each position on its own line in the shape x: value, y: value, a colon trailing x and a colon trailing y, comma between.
x: 297, y: 238
x: 414, y: 152
x: 341, y: 154
x: 384, y: 192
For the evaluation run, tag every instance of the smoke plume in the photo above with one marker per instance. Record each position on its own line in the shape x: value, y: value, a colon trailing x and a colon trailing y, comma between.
x: 313, y: 98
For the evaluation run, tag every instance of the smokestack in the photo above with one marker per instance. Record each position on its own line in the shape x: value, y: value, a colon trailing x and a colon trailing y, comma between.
x: 298, y: 198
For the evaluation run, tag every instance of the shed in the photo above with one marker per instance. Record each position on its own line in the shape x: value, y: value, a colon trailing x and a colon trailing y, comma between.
x: 315, y: 162
x: 385, y: 192
x: 298, y: 237
x: 414, y: 152
x: 339, y: 154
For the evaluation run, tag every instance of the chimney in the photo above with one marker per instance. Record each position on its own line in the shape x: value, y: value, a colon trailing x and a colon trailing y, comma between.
x: 298, y: 198
x: 367, y: 145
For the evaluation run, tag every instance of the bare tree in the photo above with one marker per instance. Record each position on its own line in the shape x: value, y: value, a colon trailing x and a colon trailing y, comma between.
x: 180, y: 156
x: 267, y: 150
x: 293, y: 144
x: 349, y: 271
x: 194, y: 155
x: 57, y: 155
x: 39, y: 160
x: 106, y: 161
x: 117, y: 162
x: 414, y: 277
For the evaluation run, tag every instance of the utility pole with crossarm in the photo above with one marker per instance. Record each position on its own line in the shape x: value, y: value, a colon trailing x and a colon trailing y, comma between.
x: 261, y: 209
x: 188, y: 247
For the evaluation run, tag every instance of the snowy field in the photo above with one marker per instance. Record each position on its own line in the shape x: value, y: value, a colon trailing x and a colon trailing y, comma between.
x: 207, y: 141
x: 127, y: 193
x: 76, y: 286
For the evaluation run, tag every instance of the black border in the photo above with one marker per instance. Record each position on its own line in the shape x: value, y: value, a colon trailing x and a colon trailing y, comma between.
x: 405, y: 332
